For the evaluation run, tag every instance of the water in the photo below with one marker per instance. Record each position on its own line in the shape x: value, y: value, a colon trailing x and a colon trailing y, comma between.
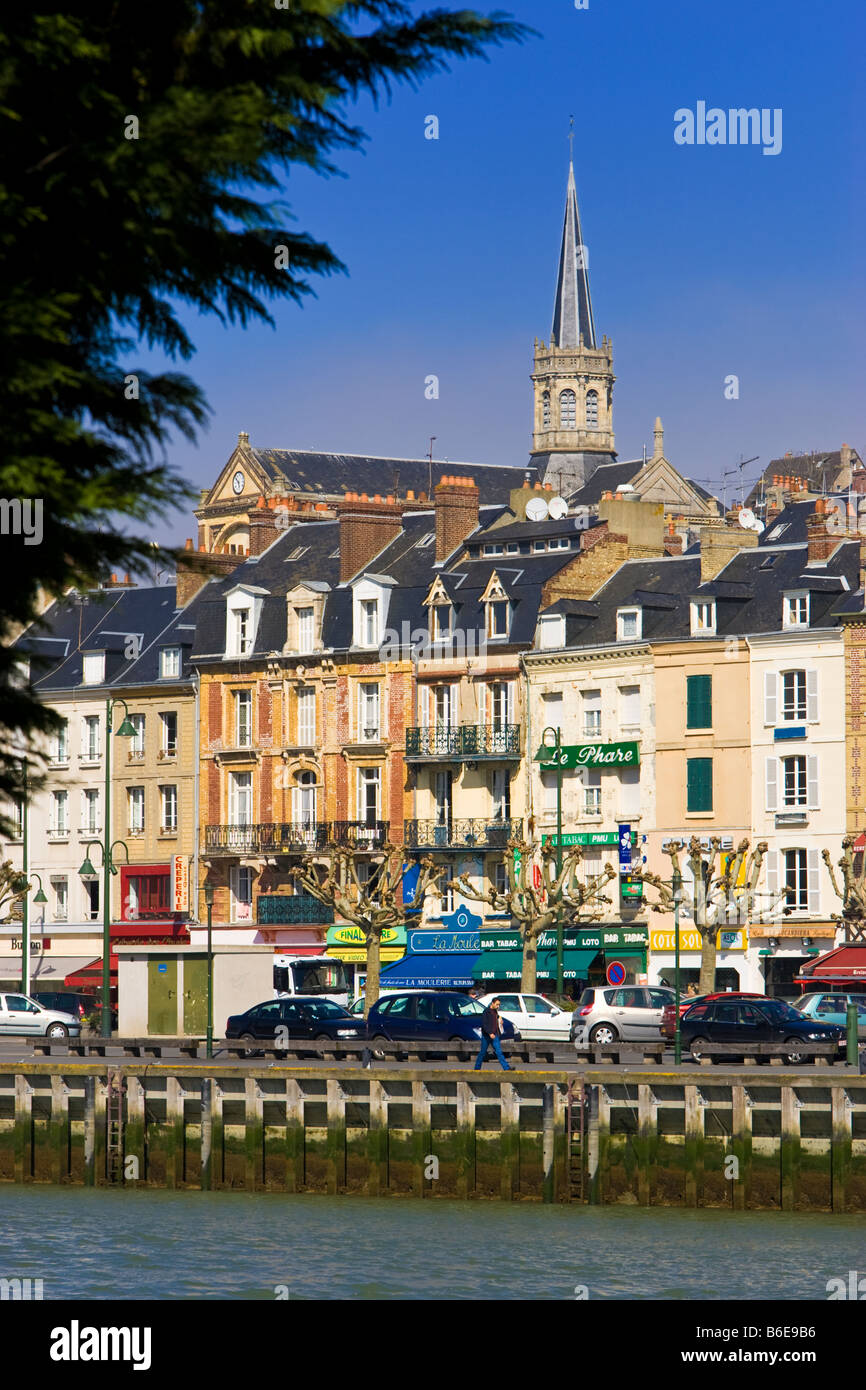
x: 87, y: 1244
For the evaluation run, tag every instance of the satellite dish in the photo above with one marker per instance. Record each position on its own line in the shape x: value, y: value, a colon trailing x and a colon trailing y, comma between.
x: 536, y: 509
x: 746, y: 518
x: 759, y: 527
x: 558, y: 508
x: 625, y: 487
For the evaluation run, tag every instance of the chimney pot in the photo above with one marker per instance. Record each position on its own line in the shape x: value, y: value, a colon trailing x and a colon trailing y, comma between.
x: 410, y: 494
x: 188, y: 545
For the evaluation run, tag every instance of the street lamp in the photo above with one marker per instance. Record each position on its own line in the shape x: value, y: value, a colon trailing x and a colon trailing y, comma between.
x: 677, y: 886
x: 88, y: 871
x: 554, y: 743
x: 208, y: 898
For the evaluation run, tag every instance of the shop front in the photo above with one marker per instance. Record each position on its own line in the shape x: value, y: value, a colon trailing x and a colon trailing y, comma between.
x: 348, y: 944
x: 439, y: 956
x: 587, y: 955
x: 732, y: 963
x: 780, y: 954
x: 841, y: 969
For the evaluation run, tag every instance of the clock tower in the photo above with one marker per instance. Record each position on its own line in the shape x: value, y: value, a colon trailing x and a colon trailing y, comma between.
x: 573, y: 375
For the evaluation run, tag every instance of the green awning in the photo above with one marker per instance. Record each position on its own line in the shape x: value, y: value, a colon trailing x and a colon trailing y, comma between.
x: 508, y: 965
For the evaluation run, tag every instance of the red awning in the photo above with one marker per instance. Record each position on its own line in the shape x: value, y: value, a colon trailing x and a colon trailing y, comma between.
x: 150, y: 930
x: 92, y: 974
x: 845, y: 963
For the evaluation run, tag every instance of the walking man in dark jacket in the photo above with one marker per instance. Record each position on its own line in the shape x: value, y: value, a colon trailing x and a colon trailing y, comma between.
x: 491, y: 1030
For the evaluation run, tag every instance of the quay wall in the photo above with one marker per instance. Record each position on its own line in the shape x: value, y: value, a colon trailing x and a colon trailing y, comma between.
x: 739, y: 1139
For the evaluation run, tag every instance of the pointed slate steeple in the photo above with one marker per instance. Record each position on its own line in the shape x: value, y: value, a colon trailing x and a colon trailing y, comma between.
x: 572, y: 311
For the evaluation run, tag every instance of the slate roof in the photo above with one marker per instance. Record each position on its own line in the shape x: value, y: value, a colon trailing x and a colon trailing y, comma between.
x: 817, y: 471
x: 104, y: 620
x: 332, y: 475
x: 606, y: 478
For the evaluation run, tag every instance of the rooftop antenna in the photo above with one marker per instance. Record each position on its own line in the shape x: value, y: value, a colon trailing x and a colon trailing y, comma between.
x: 433, y: 439
x: 644, y: 456
x: 571, y: 140
x: 730, y: 472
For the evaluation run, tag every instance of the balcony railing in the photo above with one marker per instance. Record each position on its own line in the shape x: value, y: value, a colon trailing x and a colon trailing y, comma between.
x: 359, y: 834
x: 477, y: 834
x: 279, y: 909
x: 463, y: 741
x: 293, y: 837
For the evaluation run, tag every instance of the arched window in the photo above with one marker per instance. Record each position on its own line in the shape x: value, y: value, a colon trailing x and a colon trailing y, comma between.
x: 545, y: 411
x: 567, y: 410
x: 592, y: 409
x: 304, y: 800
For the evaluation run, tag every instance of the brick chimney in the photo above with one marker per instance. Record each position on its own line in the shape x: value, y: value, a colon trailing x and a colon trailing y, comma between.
x: 721, y: 544
x: 367, y: 525
x: 263, y: 525
x: 196, y: 567
x: 601, y: 555
x: 674, y: 543
x: 456, y: 503
x: 822, y: 542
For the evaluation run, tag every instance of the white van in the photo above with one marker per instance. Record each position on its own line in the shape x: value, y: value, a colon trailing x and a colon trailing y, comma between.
x: 321, y: 975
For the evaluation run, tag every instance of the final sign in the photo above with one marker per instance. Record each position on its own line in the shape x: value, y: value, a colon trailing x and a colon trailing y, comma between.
x: 596, y: 755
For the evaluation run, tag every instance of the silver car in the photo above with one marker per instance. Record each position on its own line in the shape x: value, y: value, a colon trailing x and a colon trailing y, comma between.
x: 610, y: 1013
x: 22, y: 1016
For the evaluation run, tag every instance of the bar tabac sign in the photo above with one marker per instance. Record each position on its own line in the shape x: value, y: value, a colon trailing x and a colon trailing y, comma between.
x: 595, y: 755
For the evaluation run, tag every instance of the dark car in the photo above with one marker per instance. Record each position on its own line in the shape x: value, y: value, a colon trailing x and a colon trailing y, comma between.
x: 65, y: 1001
x: 668, y: 1025
x: 753, y: 1021
x: 428, y: 1015
x: 297, y: 1018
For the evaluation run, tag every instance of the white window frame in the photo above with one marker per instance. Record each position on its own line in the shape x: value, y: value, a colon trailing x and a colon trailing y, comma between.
x: 169, y: 663
x: 60, y: 744
x: 496, y: 606
x: 91, y: 811
x: 168, y: 802
x: 166, y: 746
x: 592, y: 793
x: 135, y: 803
x: 307, y: 716
x: 241, y: 893
x: 243, y: 728
x: 59, y: 823
x: 93, y: 668
x: 629, y: 697
x: 369, y: 777
x: 792, y: 602
x: 703, y: 617
x: 621, y: 615
x: 137, y: 742
x: 240, y: 793
x: 91, y: 747
x: 306, y: 619
x: 369, y: 711
x: 369, y: 613
x: 590, y: 709
x: 551, y: 631
x: 442, y: 632
x: 60, y: 887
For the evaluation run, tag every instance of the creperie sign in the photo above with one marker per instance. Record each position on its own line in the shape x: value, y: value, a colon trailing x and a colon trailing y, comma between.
x: 180, y: 881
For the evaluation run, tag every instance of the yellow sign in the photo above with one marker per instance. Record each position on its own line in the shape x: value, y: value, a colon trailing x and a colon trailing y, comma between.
x: 180, y: 881
x: 349, y: 954
x: 354, y: 936
x: 690, y: 940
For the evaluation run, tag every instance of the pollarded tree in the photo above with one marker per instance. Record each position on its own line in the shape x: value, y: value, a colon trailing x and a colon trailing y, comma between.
x: 853, y: 890
x: 536, y: 896
x: 714, y: 900
x: 373, y: 904
x: 13, y: 886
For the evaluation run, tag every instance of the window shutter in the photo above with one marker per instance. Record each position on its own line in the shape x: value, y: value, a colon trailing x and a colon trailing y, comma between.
x: 812, y: 784
x: 699, y: 784
x: 699, y: 702
x: 509, y: 716
x: 812, y: 696
x: 454, y: 705
x: 424, y: 706
x: 772, y: 862
x: 813, y: 870
x: 771, y: 683
x: 771, y: 783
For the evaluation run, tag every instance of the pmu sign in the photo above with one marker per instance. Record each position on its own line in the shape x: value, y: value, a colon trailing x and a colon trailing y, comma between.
x: 594, y: 755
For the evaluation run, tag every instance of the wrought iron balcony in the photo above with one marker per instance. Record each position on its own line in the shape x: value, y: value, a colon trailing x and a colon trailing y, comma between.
x: 279, y: 909
x: 463, y: 742
x: 359, y: 834
x: 274, y: 837
x: 478, y: 834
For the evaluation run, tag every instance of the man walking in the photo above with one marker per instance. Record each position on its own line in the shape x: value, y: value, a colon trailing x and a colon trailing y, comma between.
x: 491, y: 1029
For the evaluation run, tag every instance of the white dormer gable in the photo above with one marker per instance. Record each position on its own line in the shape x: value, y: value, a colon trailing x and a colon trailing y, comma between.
x: 243, y: 611
x: 371, y: 600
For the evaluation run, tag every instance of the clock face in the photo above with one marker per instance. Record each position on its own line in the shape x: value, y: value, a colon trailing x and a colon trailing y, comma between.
x: 238, y: 482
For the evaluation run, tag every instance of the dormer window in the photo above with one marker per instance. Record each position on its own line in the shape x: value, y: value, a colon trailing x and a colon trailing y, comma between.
x: 442, y: 615
x: 93, y: 668
x: 242, y: 634
x: 795, y: 609
x: 703, y: 618
x: 491, y: 550
x: 551, y: 632
x: 306, y: 629
x: 169, y: 663
x: 497, y: 618
x: 628, y: 624
x: 369, y: 622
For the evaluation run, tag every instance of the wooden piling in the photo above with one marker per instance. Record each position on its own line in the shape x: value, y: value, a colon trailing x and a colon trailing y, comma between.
x: 59, y: 1131
x: 465, y: 1148
x: 841, y: 1150
x: 694, y: 1146
x: 741, y: 1145
x: 335, y: 1157
x: 377, y: 1141
x: 510, y: 1142
x: 789, y: 1150
x: 294, y: 1137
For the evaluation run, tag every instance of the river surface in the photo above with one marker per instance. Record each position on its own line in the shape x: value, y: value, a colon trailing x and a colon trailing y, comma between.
x: 87, y: 1244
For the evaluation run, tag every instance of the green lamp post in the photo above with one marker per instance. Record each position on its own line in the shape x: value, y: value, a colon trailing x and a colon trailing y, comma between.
x: 208, y: 898
x: 554, y: 743
x: 677, y: 893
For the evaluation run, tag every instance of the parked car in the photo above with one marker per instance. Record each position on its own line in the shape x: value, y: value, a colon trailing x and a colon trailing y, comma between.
x: 610, y: 1013
x: 298, y: 1017
x: 22, y: 1016
x: 411, y: 1015
x: 533, y: 1016
x: 754, y: 1021
x: 833, y: 1008
x: 79, y: 1005
x: 668, y: 1027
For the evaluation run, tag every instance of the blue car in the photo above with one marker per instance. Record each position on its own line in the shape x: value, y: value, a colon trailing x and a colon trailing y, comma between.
x: 427, y: 1015
x: 833, y: 1008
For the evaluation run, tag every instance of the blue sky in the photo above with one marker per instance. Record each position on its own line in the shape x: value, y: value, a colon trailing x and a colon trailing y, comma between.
x: 704, y: 261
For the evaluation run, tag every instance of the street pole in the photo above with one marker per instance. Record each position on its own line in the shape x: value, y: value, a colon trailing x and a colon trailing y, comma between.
x: 25, y: 901
x: 559, y: 925
x: 208, y: 897
x: 106, y: 883
x: 677, y: 894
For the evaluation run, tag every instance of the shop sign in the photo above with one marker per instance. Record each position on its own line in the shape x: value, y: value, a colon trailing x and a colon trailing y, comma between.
x: 690, y: 940
x: 600, y: 938
x: 180, y: 881
x: 590, y: 837
x: 40, y: 943
x: 347, y: 935
x: 432, y: 942
x: 598, y: 755
x: 349, y: 955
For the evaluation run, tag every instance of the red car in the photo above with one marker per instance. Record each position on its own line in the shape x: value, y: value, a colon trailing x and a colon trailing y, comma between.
x: 668, y: 1025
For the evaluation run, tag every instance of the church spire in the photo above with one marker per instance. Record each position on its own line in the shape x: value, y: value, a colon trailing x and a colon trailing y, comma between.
x: 572, y: 312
